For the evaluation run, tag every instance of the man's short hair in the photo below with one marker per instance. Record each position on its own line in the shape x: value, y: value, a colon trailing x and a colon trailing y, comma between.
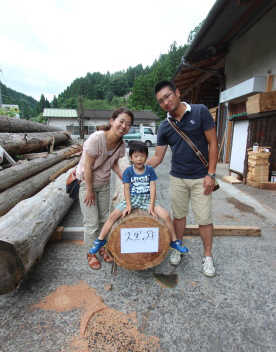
x: 138, y: 146
x: 162, y: 84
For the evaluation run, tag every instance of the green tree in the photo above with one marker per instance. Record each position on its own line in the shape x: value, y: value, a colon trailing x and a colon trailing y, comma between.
x: 194, y: 32
x: 54, y: 102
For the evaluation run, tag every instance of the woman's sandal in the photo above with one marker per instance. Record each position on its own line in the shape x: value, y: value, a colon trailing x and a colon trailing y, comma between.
x: 93, y: 261
x: 106, y: 256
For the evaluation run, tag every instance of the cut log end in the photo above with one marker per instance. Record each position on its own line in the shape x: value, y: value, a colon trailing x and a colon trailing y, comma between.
x: 138, y: 261
x: 11, y: 268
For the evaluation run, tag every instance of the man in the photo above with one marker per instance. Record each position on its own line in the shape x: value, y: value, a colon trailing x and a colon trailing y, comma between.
x: 189, y: 178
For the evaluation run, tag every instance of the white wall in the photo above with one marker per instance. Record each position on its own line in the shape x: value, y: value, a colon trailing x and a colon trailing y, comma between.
x: 254, y: 53
x: 62, y: 122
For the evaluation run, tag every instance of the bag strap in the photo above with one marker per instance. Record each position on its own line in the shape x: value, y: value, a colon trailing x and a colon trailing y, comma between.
x: 187, y: 140
x: 109, y: 156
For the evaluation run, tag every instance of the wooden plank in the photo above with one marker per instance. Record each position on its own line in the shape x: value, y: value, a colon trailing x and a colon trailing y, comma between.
x: 231, y: 179
x: 269, y: 83
x: 261, y: 102
x: 227, y: 230
x: 219, y: 230
x: 34, y: 155
x: 271, y: 186
x: 57, y: 234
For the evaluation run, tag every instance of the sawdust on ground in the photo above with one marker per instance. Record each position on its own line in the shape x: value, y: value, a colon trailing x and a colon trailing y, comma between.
x: 101, y: 328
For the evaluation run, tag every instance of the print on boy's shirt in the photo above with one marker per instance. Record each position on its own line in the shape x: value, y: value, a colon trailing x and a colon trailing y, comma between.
x: 140, y: 184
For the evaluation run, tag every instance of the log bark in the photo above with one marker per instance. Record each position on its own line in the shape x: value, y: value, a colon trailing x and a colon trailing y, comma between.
x: 26, y: 229
x: 138, y: 218
x: 16, y: 125
x: 21, y: 143
x: 26, y: 169
x: 29, y: 187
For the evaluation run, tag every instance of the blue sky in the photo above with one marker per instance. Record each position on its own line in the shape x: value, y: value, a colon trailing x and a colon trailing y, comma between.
x: 45, y: 45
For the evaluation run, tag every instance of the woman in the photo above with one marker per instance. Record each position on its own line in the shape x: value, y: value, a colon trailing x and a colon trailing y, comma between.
x: 101, y: 153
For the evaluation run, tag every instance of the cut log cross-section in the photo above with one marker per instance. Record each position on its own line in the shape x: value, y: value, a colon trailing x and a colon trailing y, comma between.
x: 138, y: 218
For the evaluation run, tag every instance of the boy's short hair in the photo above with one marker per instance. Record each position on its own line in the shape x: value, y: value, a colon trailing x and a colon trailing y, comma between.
x: 163, y: 84
x: 138, y: 146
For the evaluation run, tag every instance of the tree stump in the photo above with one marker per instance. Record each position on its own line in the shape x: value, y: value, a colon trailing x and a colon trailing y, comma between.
x: 138, y: 218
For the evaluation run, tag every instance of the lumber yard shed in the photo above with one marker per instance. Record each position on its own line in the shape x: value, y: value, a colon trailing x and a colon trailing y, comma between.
x: 230, y: 67
x: 69, y: 119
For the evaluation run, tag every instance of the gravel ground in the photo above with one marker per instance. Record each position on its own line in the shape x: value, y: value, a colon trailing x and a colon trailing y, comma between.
x: 62, y: 305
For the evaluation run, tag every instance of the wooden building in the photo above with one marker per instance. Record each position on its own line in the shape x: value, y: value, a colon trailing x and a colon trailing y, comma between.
x: 69, y: 119
x: 232, y: 58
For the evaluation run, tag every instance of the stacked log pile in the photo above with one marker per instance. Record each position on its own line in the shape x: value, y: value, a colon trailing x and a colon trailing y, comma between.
x: 258, y: 167
x: 32, y: 193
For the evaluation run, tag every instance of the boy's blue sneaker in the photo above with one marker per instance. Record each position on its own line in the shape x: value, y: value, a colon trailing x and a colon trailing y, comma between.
x: 178, y: 246
x: 98, y: 244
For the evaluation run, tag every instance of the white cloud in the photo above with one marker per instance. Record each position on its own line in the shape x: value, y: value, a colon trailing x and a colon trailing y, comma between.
x: 46, y: 45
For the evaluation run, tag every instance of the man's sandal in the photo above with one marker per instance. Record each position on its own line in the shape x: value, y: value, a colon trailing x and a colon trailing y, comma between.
x: 93, y: 261
x: 106, y: 256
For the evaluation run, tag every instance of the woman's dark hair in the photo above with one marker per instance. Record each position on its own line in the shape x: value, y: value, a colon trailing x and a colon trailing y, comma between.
x: 140, y: 147
x: 114, y: 116
x: 163, y: 84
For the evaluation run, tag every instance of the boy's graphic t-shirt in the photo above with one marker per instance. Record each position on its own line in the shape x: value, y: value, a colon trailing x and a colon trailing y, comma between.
x: 139, y: 183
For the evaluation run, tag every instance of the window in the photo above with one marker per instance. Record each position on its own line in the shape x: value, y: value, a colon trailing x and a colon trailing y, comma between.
x: 69, y: 129
x: 134, y: 129
x: 91, y: 129
x: 148, y: 131
x: 76, y: 130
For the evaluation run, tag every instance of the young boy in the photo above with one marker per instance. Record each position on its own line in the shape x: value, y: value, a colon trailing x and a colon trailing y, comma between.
x: 140, y: 192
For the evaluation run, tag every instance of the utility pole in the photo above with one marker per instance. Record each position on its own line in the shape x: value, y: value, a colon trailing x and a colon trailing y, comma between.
x: 1, y: 101
x: 81, y: 118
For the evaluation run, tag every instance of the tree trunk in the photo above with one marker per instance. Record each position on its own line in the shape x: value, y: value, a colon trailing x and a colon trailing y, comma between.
x: 22, y: 171
x: 16, y: 125
x: 25, y: 230
x: 138, y: 218
x: 21, y: 143
x: 25, y: 189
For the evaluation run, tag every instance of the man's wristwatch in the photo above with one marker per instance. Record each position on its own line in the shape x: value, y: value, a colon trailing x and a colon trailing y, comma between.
x: 212, y: 175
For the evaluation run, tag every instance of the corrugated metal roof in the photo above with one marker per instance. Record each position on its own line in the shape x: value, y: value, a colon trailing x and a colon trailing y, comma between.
x: 60, y: 113
x: 96, y: 114
x: 106, y: 114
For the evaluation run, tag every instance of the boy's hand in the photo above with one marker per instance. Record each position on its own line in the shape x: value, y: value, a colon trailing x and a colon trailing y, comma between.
x: 126, y: 211
x: 151, y: 212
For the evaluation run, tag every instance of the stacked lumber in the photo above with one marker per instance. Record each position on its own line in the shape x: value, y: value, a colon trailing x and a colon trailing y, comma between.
x: 258, y: 167
x: 33, y: 200
x: 261, y: 102
x: 26, y: 229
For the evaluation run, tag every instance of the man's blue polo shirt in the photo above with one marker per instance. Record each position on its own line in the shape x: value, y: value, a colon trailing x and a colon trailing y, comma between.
x: 185, y: 163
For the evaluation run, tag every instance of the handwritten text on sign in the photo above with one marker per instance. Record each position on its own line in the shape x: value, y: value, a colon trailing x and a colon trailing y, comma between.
x: 139, y: 240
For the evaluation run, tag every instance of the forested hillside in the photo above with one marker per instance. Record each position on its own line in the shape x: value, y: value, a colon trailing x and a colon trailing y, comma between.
x: 27, y: 105
x: 132, y: 88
